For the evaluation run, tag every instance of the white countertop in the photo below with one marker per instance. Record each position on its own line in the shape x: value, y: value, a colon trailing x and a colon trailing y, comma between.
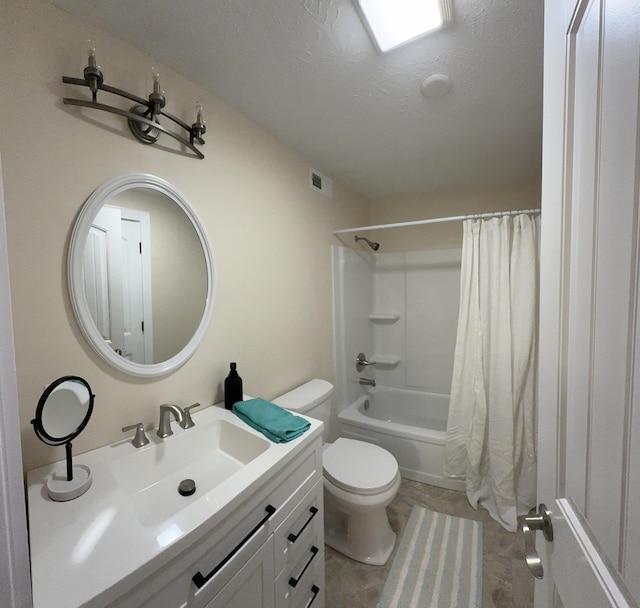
x: 86, y: 546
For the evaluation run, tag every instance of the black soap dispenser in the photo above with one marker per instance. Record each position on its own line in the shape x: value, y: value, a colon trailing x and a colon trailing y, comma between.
x: 232, y: 387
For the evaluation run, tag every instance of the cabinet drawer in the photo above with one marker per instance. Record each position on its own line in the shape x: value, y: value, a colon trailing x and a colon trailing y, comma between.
x: 305, y: 521
x: 309, y: 593
x: 174, y: 585
x: 209, y: 578
x: 301, y: 573
x: 294, y: 483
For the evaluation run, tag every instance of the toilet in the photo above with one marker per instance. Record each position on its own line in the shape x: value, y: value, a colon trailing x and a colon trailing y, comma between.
x: 360, y: 480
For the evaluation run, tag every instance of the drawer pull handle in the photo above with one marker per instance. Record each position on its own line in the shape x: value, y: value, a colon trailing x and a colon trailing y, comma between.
x: 294, y: 581
x: 294, y: 537
x: 315, y: 590
x: 200, y: 580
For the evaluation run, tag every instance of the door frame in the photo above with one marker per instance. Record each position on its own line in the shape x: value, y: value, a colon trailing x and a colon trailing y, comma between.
x: 552, y: 229
x: 15, y: 577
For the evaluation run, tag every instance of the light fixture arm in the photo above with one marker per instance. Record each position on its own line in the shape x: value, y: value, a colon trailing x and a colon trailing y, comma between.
x: 144, y: 129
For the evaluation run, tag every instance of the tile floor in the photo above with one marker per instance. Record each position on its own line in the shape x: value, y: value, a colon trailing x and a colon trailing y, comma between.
x: 506, y: 582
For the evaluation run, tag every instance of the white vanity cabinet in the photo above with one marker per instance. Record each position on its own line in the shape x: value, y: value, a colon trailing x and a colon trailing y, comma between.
x: 267, y: 553
x: 255, y: 540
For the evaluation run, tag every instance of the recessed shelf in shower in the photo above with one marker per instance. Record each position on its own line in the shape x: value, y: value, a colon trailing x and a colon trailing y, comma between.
x: 385, y: 361
x: 383, y: 317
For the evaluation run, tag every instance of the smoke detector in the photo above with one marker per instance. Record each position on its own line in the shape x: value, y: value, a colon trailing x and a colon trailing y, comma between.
x: 437, y: 85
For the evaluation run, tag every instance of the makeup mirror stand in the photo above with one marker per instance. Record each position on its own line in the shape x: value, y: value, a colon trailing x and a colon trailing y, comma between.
x: 77, y: 482
x: 62, y: 413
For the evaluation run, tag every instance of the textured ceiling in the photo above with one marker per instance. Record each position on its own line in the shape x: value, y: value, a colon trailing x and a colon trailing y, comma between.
x: 307, y: 71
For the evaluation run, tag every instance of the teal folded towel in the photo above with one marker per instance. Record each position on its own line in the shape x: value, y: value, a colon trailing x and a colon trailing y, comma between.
x: 271, y: 420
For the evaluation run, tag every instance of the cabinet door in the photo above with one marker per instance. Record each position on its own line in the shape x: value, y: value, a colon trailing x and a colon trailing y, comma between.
x: 252, y: 586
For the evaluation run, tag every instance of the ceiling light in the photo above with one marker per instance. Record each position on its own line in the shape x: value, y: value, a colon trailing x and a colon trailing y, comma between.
x: 392, y: 23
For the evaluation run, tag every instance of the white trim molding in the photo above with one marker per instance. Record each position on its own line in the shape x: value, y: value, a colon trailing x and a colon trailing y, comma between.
x: 15, y: 578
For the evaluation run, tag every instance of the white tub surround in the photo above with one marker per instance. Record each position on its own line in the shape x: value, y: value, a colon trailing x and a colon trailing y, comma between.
x: 401, y: 310
x: 110, y: 547
x: 409, y: 424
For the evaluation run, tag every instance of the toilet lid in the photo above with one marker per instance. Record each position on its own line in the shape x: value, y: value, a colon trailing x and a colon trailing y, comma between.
x: 358, y: 466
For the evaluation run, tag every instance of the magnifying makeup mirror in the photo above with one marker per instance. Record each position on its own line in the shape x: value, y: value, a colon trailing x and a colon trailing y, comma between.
x: 63, y: 411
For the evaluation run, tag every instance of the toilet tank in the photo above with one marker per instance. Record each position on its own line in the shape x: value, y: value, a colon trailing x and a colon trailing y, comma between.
x: 312, y: 399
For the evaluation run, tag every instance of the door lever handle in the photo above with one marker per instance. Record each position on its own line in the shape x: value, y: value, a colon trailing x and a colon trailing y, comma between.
x: 529, y: 524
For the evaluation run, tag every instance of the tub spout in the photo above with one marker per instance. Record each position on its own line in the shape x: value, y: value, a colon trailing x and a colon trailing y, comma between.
x: 367, y: 382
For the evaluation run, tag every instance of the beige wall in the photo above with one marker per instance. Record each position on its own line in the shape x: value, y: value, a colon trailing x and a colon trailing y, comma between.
x: 269, y: 232
x: 453, y: 203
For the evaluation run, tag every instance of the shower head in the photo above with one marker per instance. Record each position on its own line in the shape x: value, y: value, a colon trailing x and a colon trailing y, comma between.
x: 374, y: 246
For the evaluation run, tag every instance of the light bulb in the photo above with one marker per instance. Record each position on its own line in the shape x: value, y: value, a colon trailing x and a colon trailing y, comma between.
x: 156, y: 80
x: 91, y: 51
x: 199, y: 114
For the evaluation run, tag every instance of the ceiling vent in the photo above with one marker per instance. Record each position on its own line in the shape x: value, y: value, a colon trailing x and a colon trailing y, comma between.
x: 320, y: 183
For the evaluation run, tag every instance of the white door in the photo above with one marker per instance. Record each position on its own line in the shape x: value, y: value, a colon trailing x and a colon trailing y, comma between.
x: 117, y: 281
x: 136, y: 275
x: 589, y: 399
x: 103, y: 276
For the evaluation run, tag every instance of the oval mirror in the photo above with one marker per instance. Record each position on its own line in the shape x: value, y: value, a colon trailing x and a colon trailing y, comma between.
x: 141, y: 275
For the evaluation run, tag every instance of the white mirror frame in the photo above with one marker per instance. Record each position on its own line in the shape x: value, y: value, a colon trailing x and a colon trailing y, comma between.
x: 75, y: 263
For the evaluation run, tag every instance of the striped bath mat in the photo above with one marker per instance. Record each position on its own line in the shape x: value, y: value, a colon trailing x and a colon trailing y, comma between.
x: 438, y: 564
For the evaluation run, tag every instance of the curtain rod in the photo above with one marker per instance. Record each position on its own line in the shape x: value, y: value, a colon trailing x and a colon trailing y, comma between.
x: 436, y: 220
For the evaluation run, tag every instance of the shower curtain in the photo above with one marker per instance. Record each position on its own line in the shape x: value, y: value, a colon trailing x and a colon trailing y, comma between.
x: 491, y: 427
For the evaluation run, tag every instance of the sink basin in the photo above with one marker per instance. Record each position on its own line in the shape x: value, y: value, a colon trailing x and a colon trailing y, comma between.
x: 210, y: 454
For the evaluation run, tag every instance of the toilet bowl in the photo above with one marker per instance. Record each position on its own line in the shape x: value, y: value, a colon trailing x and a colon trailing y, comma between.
x: 360, y: 480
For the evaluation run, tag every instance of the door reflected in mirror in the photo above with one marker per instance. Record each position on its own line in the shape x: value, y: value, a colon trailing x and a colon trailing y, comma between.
x: 141, y: 275
x: 145, y: 276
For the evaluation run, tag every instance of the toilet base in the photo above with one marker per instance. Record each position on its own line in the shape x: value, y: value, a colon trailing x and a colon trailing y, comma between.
x: 365, y: 536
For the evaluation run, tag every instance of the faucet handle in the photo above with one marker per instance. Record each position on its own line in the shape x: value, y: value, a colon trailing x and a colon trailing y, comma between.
x: 188, y: 422
x: 361, y: 362
x: 140, y: 438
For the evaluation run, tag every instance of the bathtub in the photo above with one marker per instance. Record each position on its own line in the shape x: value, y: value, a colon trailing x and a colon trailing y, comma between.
x: 409, y: 424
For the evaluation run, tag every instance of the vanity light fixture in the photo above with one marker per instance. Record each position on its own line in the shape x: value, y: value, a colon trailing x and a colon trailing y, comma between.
x: 392, y: 23
x: 143, y: 117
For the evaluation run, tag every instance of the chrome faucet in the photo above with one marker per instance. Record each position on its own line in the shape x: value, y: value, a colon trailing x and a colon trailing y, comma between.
x: 367, y: 382
x: 166, y: 411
